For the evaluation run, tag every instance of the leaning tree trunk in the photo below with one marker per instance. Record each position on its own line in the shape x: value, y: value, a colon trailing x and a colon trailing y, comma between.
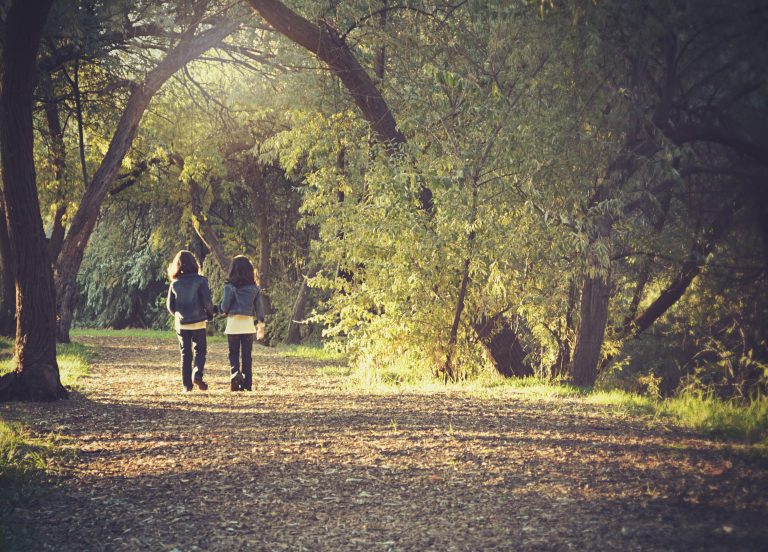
x: 503, y: 346
x: 7, y: 281
x: 299, y: 306
x: 84, y: 221
x: 593, y: 314
x: 205, y: 230
x: 325, y: 42
x: 37, y: 374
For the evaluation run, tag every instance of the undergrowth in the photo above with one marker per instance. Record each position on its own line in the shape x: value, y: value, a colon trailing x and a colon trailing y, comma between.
x: 744, y: 421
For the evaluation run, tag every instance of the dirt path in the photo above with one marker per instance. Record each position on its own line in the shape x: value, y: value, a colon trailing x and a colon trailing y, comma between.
x: 302, y: 464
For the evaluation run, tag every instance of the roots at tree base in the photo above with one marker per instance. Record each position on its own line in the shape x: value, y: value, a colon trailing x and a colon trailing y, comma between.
x: 38, y: 382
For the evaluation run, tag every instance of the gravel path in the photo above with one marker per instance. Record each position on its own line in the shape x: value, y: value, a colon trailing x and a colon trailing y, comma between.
x: 306, y: 463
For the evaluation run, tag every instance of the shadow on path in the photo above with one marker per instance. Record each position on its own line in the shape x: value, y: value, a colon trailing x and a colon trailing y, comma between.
x: 303, y: 463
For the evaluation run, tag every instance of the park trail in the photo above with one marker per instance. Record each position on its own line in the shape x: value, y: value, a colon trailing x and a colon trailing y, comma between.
x: 308, y: 463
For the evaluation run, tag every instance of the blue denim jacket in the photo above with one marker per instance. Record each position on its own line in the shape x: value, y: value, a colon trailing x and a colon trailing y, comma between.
x: 242, y: 300
x: 190, y: 296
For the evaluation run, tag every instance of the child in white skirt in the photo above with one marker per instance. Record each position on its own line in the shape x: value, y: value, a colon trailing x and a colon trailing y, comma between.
x: 241, y: 303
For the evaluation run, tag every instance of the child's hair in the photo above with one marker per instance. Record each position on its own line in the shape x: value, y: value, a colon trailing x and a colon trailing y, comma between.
x: 183, y: 263
x: 241, y: 273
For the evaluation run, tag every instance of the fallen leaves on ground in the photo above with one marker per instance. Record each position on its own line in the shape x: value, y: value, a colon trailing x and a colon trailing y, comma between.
x: 305, y: 462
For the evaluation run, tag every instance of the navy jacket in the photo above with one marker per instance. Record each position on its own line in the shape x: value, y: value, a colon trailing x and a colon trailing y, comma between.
x: 242, y: 300
x: 190, y: 296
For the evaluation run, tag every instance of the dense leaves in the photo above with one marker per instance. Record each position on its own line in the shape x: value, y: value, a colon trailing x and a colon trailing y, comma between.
x: 594, y: 174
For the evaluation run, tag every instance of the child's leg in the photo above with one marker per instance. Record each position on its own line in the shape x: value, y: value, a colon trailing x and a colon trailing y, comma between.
x: 247, y: 344
x: 185, y: 347
x: 200, y: 346
x: 235, y: 378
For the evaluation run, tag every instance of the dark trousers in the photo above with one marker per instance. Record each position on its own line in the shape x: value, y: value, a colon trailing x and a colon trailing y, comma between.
x: 192, y: 344
x: 241, y: 343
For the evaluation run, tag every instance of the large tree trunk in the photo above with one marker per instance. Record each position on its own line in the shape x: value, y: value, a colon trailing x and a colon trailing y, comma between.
x: 593, y: 314
x: 73, y: 249
x: 37, y: 374
x: 7, y: 280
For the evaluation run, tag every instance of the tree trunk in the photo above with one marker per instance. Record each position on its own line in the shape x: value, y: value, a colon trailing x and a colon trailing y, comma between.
x: 261, y: 203
x: 205, y: 230
x: 326, y: 44
x: 503, y: 346
x: 37, y: 374
x: 58, y: 159
x: 7, y: 281
x: 299, y: 306
x: 593, y: 314
x: 565, y: 339
x: 447, y: 370
x: 84, y: 221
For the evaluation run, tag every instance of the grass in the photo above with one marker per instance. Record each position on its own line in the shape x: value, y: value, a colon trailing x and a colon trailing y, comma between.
x: 23, y: 455
x: 730, y: 419
x: 73, y: 359
x: 699, y: 411
x: 24, y: 459
x: 167, y: 335
x: 311, y: 352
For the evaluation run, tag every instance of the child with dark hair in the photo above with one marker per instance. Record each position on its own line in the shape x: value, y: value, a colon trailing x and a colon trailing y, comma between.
x: 189, y: 301
x: 242, y: 301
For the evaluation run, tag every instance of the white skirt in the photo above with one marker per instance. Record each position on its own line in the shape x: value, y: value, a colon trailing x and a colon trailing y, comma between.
x: 240, y: 324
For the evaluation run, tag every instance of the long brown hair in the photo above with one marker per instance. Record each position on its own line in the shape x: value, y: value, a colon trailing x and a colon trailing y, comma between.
x: 241, y: 273
x: 183, y: 263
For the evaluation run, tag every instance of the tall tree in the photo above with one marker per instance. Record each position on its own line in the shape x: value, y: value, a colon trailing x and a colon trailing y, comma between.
x: 37, y: 374
x: 189, y: 47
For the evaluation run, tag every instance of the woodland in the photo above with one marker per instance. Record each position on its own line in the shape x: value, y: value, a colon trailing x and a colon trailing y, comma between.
x: 568, y: 189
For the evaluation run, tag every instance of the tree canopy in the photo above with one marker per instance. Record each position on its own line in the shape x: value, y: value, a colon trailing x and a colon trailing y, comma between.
x: 567, y: 189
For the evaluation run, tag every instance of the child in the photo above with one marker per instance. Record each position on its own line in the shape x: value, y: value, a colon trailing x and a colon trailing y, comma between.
x: 242, y: 301
x: 189, y: 301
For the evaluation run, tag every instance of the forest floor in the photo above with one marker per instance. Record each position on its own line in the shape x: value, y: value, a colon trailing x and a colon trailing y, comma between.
x: 306, y: 462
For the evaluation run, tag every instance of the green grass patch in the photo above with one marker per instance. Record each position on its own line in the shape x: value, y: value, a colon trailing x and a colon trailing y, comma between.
x: 729, y: 419
x: 311, y: 352
x: 128, y: 332
x: 24, y: 461
x: 141, y: 333
x: 21, y: 454
x: 25, y: 457
x: 702, y: 412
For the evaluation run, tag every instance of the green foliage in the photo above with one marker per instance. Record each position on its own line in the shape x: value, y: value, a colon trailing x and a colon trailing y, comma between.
x: 21, y: 454
x: 122, y: 277
x: 546, y: 134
